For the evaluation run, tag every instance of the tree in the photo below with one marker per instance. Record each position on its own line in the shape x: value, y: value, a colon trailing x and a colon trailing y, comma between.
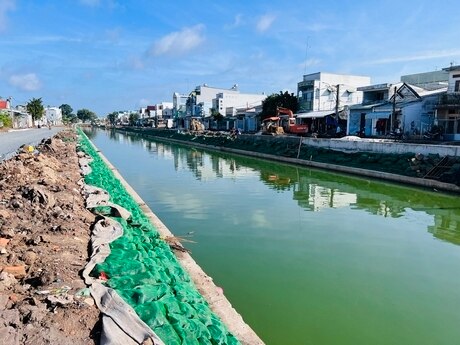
x: 133, y: 118
x: 67, y: 115
x: 216, y: 116
x: 86, y: 115
x: 72, y: 118
x: 112, y: 118
x: 66, y: 110
x: 272, y: 102
x: 5, y: 119
x: 35, y: 108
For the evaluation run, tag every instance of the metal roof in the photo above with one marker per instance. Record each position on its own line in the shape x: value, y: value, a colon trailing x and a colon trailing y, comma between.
x: 314, y: 114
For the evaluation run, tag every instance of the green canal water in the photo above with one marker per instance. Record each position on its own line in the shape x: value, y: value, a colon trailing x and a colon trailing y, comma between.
x: 306, y: 256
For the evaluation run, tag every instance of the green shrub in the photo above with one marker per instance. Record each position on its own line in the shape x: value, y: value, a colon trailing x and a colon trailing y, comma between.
x: 5, y: 119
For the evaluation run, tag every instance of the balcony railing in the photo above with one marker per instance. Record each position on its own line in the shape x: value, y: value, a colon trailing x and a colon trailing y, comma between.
x: 449, y: 99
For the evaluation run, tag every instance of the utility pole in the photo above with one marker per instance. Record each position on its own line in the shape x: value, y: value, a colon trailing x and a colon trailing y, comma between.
x: 393, y: 114
x: 337, y: 103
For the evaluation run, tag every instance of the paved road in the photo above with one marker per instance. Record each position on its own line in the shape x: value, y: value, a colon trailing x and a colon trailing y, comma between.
x: 10, y: 142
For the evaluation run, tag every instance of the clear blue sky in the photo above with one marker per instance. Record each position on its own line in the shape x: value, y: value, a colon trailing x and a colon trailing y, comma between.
x: 108, y: 55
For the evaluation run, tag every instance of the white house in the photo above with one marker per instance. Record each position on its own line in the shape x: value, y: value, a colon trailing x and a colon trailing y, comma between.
x: 143, y: 113
x: 53, y: 116
x: 200, y: 100
x: 179, y: 104
x: 318, y: 92
x: 227, y: 103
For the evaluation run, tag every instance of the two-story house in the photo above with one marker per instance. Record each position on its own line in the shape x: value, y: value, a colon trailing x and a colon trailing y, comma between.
x: 323, y: 97
x: 53, y: 116
x: 448, y: 108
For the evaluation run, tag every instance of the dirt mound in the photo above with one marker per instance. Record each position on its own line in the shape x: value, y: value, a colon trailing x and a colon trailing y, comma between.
x: 44, y: 235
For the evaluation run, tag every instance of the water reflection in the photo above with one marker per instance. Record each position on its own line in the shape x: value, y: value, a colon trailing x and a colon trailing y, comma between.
x: 314, y: 190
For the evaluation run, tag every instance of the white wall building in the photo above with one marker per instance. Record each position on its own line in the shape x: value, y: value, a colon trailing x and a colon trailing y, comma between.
x: 318, y: 91
x: 200, y: 100
x: 53, y: 116
x: 161, y: 110
x: 179, y: 104
x: 143, y: 113
x: 227, y: 103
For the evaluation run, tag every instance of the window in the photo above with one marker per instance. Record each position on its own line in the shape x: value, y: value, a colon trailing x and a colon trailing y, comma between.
x: 457, y: 86
x: 307, y: 96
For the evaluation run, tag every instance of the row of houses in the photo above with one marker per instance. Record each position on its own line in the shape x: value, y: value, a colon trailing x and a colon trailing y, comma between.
x: 21, y: 119
x: 412, y: 106
x: 207, y: 104
x: 331, y: 103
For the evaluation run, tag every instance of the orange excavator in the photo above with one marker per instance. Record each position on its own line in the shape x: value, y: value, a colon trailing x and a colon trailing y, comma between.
x: 289, y: 125
x: 271, y: 126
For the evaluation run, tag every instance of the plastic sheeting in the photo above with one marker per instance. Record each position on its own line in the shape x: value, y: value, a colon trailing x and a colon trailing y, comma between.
x: 143, y: 270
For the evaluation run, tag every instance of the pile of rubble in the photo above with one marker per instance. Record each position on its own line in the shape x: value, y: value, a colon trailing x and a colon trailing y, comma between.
x: 44, y: 234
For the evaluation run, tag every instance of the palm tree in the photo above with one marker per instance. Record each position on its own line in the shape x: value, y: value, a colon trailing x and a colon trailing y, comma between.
x: 35, y: 108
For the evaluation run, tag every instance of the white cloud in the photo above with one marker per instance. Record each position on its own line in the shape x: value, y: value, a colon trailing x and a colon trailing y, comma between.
x: 25, y: 82
x: 264, y: 22
x: 427, y: 55
x: 179, y: 42
x: 5, y: 6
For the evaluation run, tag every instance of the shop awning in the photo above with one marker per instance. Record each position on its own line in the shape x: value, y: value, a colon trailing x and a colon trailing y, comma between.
x: 378, y: 115
x: 314, y: 114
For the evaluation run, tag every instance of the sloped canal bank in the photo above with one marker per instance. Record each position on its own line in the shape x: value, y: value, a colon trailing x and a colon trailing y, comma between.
x: 306, y: 256
x: 142, y: 269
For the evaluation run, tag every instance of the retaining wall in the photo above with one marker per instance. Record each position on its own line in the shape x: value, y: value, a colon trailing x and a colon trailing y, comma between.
x: 356, y: 169
x: 382, y: 146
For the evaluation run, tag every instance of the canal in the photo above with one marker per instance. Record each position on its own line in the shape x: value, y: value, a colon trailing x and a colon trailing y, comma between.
x: 306, y: 256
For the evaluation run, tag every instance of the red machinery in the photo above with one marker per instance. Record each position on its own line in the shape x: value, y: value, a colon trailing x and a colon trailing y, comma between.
x: 289, y: 124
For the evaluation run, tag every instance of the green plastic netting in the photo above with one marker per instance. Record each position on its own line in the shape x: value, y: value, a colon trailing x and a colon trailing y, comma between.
x: 146, y: 274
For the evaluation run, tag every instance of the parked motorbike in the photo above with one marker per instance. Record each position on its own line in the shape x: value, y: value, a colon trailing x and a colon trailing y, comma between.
x: 360, y: 133
x: 435, y: 133
x: 396, y: 135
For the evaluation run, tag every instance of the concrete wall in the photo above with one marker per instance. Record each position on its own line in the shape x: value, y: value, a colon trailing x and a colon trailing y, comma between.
x: 382, y: 146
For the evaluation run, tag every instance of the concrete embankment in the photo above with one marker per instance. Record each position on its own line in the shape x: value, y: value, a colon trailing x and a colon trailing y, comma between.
x: 167, y: 303
x: 402, y: 164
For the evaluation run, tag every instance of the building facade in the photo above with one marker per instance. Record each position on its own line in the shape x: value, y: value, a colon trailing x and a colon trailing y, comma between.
x: 325, y: 91
x: 400, y: 108
x: 448, y: 107
x: 53, y: 116
x: 227, y: 103
x: 428, y: 80
x: 200, y: 100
